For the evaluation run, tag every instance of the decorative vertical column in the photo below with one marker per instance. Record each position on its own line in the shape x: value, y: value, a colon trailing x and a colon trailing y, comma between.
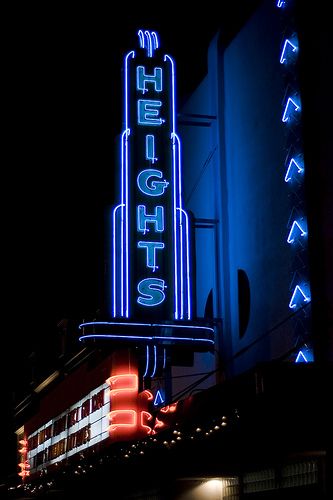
x: 296, y: 226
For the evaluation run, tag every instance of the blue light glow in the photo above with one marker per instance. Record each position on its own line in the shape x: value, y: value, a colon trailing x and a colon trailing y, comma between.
x: 157, y: 219
x: 155, y: 39
x: 148, y: 40
x: 155, y: 79
x: 149, y: 44
x: 182, y: 294
x: 156, y: 188
x: 159, y: 398
x: 293, y: 164
x: 287, y: 46
x: 280, y: 3
x: 296, y: 230
x: 124, y: 264
x: 297, y: 296
x: 155, y: 361
x: 141, y: 39
x: 290, y: 108
x: 147, y: 361
x: 114, y: 305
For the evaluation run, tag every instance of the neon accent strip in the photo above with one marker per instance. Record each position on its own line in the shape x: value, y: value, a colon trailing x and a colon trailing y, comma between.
x: 295, y: 228
x: 132, y: 55
x: 177, y: 204
x: 173, y: 136
x: 299, y: 359
x: 155, y: 362
x: 124, y: 201
x: 155, y: 39
x: 293, y: 304
x: 149, y: 48
x: 141, y: 38
x: 147, y: 361
x: 148, y: 416
x: 173, y: 98
x: 132, y: 414
x: 290, y: 103
x: 288, y: 175
x: 114, y: 277
x: 164, y: 358
x: 286, y: 45
x: 93, y: 323
x: 124, y: 221
x: 138, y: 337
x: 175, y: 232
x: 188, y: 283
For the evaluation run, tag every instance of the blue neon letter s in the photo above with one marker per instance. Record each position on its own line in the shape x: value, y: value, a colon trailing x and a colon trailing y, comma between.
x: 151, y: 290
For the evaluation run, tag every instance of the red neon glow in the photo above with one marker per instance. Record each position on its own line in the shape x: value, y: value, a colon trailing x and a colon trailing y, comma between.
x: 148, y: 394
x: 24, y: 473
x: 125, y: 382
x: 130, y: 417
x: 122, y: 418
x: 170, y: 408
x: 24, y: 463
x: 158, y: 424
x: 145, y: 415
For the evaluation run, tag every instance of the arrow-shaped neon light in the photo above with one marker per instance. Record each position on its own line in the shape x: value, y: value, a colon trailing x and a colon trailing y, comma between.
x: 287, y: 111
x: 298, y: 290
x: 296, y: 228
x: 286, y: 47
x: 158, y: 399
x: 293, y: 164
x: 301, y: 358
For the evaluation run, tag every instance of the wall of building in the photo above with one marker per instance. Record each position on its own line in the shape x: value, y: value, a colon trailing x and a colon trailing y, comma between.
x: 258, y: 207
x: 235, y: 148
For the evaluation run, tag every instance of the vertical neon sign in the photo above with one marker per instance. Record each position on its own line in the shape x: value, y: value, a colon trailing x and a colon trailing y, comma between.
x: 151, y: 254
